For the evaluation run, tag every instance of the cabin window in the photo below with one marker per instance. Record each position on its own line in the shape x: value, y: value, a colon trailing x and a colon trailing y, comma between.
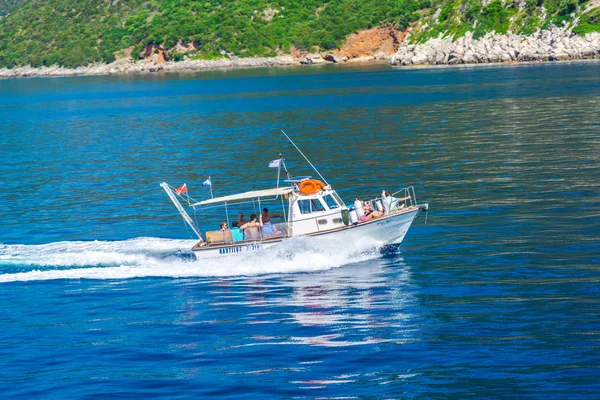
x: 304, y: 206
x: 317, y: 205
x: 339, y: 200
x: 331, y: 203
x: 310, y: 205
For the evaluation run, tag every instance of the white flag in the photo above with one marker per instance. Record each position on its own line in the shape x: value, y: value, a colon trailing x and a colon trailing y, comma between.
x: 207, y: 182
x: 275, y: 163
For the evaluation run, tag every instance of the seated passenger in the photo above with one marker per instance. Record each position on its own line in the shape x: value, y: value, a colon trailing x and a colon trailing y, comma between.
x: 236, y: 233
x: 266, y: 217
x: 241, y: 221
x: 252, y: 228
x: 390, y: 203
x: 223, y: 226
x: 253, y: 222
x: 370, y: 213
x: 268, y: 228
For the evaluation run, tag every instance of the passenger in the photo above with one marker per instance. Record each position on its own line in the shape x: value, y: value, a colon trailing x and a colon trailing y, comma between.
x: 253, y: 222
x: 223, y: 226
x: 268, y: 228
x: 390, y: 203
x: 266, y: 217
x: 369, y: 212
x: 249, y: 232
x: 236, y: 233
x: 386, y: 200
x: 241, y: 221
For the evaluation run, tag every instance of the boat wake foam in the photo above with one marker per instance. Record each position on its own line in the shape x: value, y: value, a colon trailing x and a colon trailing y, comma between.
x: 156, y: 257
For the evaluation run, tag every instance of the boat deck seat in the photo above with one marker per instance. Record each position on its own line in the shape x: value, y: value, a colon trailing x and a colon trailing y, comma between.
x: 252, y: 233
x: 219, y: 237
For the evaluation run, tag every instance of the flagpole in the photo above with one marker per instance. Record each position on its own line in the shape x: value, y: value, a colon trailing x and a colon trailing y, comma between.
x: 279, y: 169
x: 287, y: 173
x: 211, y: 192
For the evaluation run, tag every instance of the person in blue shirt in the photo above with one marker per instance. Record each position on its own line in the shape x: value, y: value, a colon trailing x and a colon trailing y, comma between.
x: 236, y: 233
x: 268, y: 228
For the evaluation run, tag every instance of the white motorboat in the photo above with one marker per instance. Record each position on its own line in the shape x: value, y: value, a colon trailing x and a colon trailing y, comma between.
x: 309, y: 207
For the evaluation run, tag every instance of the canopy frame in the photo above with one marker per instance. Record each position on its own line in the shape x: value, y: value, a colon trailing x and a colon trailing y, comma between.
x: 255, y: 194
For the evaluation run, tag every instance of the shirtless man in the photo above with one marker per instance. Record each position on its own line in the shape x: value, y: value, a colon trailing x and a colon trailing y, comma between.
x: 253, y: 222
x: 266, y: 217
x: 252, y: 234
x: 241, y: 221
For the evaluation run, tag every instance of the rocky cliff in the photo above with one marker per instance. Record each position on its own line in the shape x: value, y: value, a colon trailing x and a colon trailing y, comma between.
x: 551, y: 44
x: 482, y: 31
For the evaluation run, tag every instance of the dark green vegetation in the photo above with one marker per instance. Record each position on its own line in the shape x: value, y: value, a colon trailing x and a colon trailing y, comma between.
x: 6, y: 6
x: 77, y: 32
x: 590, y: 22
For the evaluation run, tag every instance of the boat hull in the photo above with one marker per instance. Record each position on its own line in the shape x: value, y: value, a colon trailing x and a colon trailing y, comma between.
x: 388, y: 230
x: 385, y: 232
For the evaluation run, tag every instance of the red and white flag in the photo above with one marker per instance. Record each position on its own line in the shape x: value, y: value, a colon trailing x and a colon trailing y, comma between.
x: 181, y: 189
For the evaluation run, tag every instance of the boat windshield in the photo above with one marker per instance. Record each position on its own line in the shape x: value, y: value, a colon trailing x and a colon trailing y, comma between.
x: 330, y: 201
x: 339, y: 200
x: 310, y: 205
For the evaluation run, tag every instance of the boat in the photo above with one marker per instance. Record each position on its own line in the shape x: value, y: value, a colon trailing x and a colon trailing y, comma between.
x: 309, y: 207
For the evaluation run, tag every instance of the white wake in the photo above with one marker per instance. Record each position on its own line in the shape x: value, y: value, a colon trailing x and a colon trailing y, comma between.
x: 155, y: 257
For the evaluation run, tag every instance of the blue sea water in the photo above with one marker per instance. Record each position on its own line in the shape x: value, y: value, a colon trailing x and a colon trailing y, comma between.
x: 495, y: 295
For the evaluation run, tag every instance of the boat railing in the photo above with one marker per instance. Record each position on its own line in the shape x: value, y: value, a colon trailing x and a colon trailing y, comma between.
x: 395, y: 202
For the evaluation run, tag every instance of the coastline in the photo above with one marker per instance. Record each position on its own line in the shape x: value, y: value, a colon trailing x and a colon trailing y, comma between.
x: 249, y: 63
x: 150, y: 66
x: 553, y: 45
x: 497, y: 64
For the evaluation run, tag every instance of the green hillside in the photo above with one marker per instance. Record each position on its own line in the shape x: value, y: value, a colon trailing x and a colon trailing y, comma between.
x: 6, y: 6
x: 71, y: 33
x: 75, y: 32
x: 455, y: 18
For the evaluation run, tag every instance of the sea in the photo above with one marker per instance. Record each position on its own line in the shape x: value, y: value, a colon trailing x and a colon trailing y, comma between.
x: 494, y: 293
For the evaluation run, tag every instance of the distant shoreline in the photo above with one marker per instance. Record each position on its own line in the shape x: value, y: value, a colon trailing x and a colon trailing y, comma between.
x: 145, y: 67
x: 496, y: 64
x: 126, y: 67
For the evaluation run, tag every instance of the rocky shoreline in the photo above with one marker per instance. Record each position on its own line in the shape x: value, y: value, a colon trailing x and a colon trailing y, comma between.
x: 548, y: 45
x: 376, y: 44
x: 128, y: 66
x: 552, y: 45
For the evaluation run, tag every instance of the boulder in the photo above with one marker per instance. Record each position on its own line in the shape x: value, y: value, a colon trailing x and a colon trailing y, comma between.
x: 306, y: 60
x: 420, y: 58
x: 329, y: 57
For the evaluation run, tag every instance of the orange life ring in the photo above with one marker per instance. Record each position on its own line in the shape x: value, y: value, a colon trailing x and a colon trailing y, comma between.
x: 311, y: 186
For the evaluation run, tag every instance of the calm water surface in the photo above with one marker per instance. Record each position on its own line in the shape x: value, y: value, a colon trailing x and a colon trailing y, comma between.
x: 496, y: 296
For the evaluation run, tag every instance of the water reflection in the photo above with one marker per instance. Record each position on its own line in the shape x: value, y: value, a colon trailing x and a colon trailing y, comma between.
x: 364, y: 303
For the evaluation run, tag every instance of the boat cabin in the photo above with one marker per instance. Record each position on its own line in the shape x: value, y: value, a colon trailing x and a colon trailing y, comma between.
x: 317, y: 212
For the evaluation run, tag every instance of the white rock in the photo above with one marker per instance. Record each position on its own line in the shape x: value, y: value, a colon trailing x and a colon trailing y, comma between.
x: 420, y: 58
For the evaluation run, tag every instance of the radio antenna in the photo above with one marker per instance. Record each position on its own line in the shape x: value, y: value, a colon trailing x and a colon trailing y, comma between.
x: 307, y: 160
